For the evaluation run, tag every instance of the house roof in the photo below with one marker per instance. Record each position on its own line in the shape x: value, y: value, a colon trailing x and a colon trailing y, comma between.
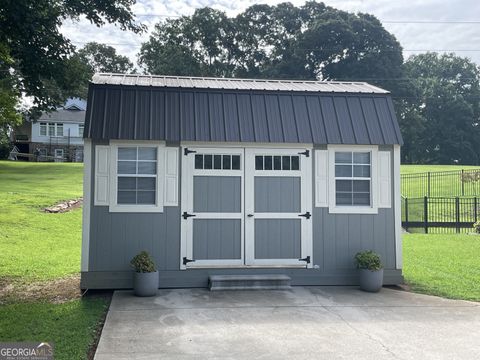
x: 185, y: 109
x: 236, y: 84
x: 73, y: 111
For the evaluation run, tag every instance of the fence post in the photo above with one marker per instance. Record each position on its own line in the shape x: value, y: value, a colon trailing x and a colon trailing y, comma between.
x: 406, y: 214
x: 463, y: 184
x: 425, y: 213
x: 475, y: 208
x: 428, y: 184
x: 457, y: 214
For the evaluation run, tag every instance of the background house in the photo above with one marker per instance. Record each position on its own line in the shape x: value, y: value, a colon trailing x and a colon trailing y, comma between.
x: 56, y: 135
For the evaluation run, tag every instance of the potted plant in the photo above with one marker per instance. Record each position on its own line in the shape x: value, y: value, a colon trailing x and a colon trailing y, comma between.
x: 371, y: 270
x: 145, y: 277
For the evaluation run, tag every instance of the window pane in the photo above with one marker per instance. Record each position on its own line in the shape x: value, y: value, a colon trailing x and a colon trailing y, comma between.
x: 286, y: 162
x: 217, y: 161
x: 258, y: 162
x: 80, y: 130
x: 51, y: 129
x: 295, y: 163
x: 147, y: 167
x: 146, y: 197
x: 126, y: 197
x: 207, y: 161
x: 227, y: 162
x: 343, y: 157
x: 361, y: 186
x: 361, y: 170
x: 59, y: 129
x: 127, y: 153
x: 43, y: 129
x: 198, y: 161
x: 343, y: 170
x: 146, y: 183
x: 127, y: 167
x: 344, y: 185
x: 235, y: 162
x: 277, y: 163
x: 147, y: 153
x: 127, y: 183
x: 361, y: 158
x: 361, y: 199
x: 344, y: 198
x: 268, y: 162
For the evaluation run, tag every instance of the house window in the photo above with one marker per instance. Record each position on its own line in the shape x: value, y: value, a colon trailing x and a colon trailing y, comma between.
x: 137, y: 175
x: 51, y: 129
x: 217, y: 162
x: 277, y: 162
x: 80, y: 130
x: 59, y: 129
x: 59, y: 154
x: 43, y: 129
x: 353, y: 178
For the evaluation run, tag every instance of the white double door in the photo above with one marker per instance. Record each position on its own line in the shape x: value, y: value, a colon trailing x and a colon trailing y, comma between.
x: 246, y: 207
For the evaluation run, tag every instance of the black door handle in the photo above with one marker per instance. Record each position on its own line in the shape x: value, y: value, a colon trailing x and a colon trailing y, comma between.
x: 250, y: 215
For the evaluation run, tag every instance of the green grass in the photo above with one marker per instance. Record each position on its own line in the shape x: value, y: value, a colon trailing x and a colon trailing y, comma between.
x: 39, y: 247
x: 409, y: 169
x: 69, y: 326
x: 446, y: 265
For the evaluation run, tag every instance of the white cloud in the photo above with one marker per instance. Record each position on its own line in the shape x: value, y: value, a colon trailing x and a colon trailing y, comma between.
x: 412, y: 36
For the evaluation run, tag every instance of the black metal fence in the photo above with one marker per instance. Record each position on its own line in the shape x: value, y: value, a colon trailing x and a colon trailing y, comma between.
x: 440, y: 214
x: 441, y: 183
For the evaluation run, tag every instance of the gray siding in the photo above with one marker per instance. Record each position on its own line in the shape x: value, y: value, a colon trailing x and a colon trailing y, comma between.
x: 216, y: 239
x: 277, y: 194
x: 217, y: 194
x: 277, y: 238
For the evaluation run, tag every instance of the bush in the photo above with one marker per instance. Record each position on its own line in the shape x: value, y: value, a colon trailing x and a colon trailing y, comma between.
x: 143, y: 263
x: 368, y: 259
x: 476, y: 227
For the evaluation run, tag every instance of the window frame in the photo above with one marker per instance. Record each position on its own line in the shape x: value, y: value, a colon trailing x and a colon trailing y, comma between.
x: 159, y: 186
x: 352, y: 209
x: 80, y: 133
x: 43, y: 125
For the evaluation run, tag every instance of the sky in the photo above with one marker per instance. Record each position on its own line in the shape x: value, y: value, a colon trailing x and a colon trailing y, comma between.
x: 419, y: 25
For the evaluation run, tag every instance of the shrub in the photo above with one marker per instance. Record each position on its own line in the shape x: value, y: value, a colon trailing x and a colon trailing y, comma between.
x: 476, y: 227
x: 143, y: 263
x: 368, y: 259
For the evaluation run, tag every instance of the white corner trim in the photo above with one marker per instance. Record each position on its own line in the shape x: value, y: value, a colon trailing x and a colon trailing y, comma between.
x: 332, y: 206
x: 398, y: 207
x: 114, y: 207
x: 170, y: 196
x: 87, y: 188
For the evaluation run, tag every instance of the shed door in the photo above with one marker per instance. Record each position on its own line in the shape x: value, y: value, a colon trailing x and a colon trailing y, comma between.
x: 278, y: 206
x: 212, y: 207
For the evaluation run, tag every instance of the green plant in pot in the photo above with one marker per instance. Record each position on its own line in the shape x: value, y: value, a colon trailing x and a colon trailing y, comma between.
x: 145, y: 277
x: 371, y: 270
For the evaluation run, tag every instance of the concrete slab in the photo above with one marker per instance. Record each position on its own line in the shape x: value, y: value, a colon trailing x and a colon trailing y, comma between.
x: 304, y: 322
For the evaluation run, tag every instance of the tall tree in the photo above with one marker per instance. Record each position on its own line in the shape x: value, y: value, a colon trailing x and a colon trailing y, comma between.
x: 30, y: 35
x: 441, y: 120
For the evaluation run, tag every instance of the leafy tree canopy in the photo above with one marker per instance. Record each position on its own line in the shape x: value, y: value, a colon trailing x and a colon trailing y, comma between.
x: 37, y: 53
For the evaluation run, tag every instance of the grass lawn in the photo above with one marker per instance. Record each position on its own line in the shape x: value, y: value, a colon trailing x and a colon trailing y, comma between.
x: 446, y: 265
x: 39, y: 249
x: 409, y: 169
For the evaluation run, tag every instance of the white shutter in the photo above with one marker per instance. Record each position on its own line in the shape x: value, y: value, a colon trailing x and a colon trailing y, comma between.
x: 321, y: 178
x: 102, y: 171
x: 171, y: 177
x: 384, y: 180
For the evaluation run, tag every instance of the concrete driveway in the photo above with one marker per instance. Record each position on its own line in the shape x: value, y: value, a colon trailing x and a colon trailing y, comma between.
x: 302, y: 323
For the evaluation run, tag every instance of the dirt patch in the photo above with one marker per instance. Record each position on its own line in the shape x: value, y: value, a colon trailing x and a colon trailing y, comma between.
x: 54, y: 291
x: 64, y: 206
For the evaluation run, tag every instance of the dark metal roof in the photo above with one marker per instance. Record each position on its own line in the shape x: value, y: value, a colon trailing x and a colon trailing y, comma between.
x: 236, y: 84
x: 135, y: 112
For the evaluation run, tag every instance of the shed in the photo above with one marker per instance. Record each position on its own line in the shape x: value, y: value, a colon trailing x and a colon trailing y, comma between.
x: 236, y: 176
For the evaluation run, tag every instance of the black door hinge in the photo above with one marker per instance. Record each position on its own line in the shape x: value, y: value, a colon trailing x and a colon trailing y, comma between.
x: 186, y: 261
x: 185, y: 215
x: 307, y: 215
x: 306, y: 259
x: 187, y: 151
x: 306, y: 153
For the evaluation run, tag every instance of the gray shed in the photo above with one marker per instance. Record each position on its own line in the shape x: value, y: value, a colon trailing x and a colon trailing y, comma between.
x: 236, y: 176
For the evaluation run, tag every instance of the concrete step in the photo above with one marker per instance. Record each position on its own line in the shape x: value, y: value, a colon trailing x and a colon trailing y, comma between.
x: 249, y: 282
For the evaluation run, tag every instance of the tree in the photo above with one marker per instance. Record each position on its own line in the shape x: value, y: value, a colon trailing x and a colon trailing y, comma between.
x: 30, y: 35
x: 441, y: 121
